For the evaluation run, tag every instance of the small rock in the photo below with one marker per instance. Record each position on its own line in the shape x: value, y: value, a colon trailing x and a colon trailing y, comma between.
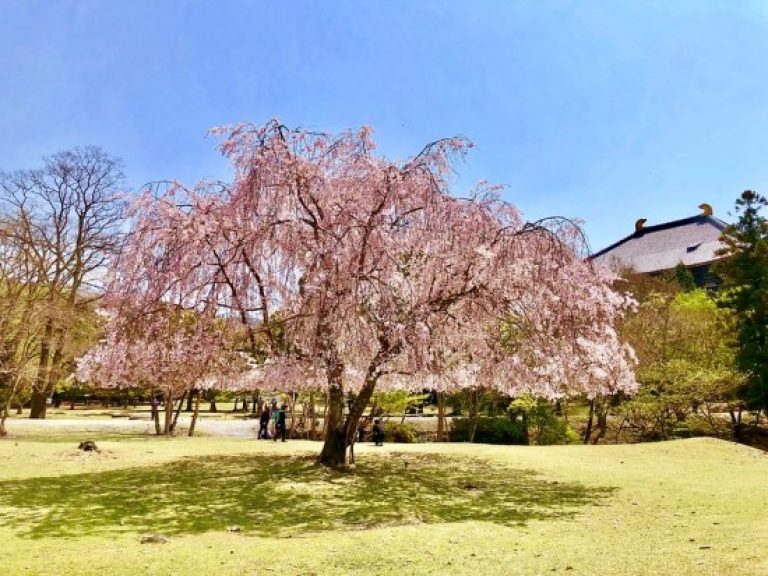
x: 88, y: 446
x: 234, y: 528
x: 154, y: 539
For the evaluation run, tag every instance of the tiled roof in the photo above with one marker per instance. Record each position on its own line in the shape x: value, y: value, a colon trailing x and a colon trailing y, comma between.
x: 692, y: 241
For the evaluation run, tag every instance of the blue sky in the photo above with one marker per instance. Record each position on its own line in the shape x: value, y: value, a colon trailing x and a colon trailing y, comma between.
x: 603, y: 110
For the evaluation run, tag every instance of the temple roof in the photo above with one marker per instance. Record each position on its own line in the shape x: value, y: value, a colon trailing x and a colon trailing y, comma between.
x: 693, y: 241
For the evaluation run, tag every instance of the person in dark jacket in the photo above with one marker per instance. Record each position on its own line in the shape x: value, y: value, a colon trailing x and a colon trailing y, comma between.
x: 264, y: 424
x: 378, y: 433
x: 280, y: 424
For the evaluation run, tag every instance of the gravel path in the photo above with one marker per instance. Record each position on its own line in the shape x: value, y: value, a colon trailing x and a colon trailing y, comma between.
x: 220, y: 426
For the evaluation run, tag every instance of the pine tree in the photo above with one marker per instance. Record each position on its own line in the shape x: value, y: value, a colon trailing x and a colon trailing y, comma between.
x: 745, y: 275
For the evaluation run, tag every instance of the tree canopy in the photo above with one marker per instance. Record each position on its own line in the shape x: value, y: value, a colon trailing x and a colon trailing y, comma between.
x: 379, y: 276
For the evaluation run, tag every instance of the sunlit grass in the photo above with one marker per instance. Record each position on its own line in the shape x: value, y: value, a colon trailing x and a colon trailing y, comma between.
x: 687, y: 507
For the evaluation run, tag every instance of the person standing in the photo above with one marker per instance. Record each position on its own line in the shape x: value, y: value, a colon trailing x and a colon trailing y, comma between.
x: 264, y: 424
x: 280, y: 423
x: 378, y: 433
x: 274, y: 412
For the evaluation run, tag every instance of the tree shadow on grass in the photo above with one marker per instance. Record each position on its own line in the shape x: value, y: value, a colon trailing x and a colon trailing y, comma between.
x: 281, y: 496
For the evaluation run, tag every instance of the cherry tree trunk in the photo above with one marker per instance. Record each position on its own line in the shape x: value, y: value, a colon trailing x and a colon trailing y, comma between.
x: 176, y: 414
x: 312, y: 415
x: 168, y: 414
x: 334, y: 452
x: 441, y: 417
x: 292, y: 407
x: 474, y: 405
x: 194, y: 415
x: 325, y: 414
x: 155, y: 414
x: 590, y: 421
x: 602, y: 421
x: 340, y: 432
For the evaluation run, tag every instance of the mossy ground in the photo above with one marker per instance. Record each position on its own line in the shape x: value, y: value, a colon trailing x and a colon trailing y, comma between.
x: 685, y: 507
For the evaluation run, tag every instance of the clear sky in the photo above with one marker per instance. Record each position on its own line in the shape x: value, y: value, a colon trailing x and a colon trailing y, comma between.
x: 603, y: 110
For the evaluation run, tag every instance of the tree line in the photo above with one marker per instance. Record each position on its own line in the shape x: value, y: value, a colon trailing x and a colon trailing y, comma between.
x: 323, y: 268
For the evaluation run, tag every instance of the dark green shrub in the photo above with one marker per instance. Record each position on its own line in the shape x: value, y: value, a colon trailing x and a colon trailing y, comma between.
x: 556, y: 431
x: 500, y: 430
x: 455, y: 403
x: 400, y: 433
x: 546, y: 427
x: 695, y: 425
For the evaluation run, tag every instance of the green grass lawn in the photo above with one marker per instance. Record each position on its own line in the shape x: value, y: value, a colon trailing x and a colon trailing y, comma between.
x: 686, y: 507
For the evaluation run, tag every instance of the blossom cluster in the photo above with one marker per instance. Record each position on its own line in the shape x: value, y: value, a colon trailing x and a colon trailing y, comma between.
x: 336, y: 267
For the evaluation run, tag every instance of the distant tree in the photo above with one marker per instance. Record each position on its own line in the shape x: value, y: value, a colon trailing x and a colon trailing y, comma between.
x: 66, y: 215
x: 22, y: 309
x: 684, y: 277
x: 166, y: 352
x: 686, y: 359
x: 744, y: 271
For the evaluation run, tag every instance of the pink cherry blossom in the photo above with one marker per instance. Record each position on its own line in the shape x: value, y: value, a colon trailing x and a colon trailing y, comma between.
x: 350, y: 272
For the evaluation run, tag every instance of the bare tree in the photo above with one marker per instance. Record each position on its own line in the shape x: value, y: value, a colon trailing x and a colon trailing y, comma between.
x: 66, y: 217
x: 21, y: 308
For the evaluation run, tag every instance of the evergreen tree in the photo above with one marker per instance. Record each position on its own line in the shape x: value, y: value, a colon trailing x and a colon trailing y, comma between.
x: 684, y: 277
x: 745, y: 276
